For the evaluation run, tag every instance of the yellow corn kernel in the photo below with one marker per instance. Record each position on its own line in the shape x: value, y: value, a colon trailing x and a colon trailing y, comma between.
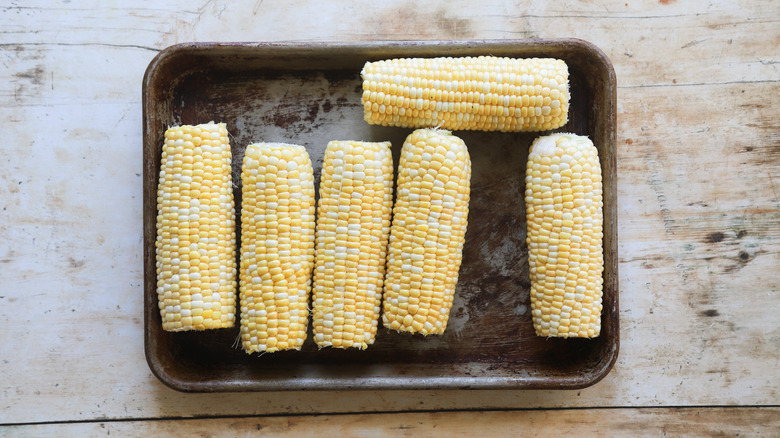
x: 196, y: 237
x: 353, y: 227
x: 563, y: 201
x: 277, y: 246
x: 485, y: 93
x: 427, y: 233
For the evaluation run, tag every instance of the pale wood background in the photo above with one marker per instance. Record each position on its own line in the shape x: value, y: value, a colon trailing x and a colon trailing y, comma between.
x: 699, y: 219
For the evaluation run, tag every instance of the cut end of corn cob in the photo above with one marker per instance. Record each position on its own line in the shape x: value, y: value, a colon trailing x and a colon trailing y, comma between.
x: 277, y: 246
x: 196, y: 240
x: 353, y: 226
x: 484, y: 93
x: 427, y: 233
x: 564, y: 217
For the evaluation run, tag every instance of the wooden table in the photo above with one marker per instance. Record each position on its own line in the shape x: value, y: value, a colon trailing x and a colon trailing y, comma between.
x: 699, y: 220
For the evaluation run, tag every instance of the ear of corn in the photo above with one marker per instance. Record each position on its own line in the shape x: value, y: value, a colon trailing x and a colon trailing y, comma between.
x: 353, y: 225
x: 277, y: 246
x: 427, y: 233
x: 485, y: 93
x: 564, y: 215
x: 196, y: 241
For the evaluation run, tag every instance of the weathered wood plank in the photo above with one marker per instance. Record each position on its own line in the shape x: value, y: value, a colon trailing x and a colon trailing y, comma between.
x: 578, y: 422
x: 650, y: 43
x: 699, y: 178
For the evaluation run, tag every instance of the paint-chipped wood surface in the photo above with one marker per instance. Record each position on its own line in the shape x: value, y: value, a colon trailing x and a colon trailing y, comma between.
x: 615, y: 423
x: 698, y: 190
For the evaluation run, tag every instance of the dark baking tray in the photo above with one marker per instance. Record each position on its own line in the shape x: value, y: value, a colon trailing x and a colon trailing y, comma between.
x: 309, y: 94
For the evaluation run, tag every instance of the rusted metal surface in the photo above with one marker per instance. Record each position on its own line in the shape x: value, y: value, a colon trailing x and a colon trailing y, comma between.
x: 310, y: 94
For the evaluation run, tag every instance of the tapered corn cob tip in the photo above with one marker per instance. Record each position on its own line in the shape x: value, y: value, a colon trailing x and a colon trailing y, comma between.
x: 565, y: 230
x: 428, y: 232
x: 277, y: 246
x: 486, y: 93
x: 196, y: 240
x: 353, y: 227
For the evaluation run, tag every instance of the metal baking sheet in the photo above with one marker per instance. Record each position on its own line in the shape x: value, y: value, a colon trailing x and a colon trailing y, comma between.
x: 309, y: 94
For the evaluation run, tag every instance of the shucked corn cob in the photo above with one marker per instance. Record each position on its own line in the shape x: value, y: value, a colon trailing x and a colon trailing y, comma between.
x: 485, y: 93
x: 277, y: 246
x: 353, y: 226
x: 428, y: 230
x: 196, y: 240
x: 564, y: 214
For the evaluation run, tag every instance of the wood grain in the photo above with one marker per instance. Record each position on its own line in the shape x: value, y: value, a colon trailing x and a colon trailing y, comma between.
x: 698, y: 190
x: 754, y: 422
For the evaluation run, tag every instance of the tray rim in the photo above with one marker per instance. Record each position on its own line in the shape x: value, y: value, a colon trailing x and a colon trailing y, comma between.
x: 457, y: 48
